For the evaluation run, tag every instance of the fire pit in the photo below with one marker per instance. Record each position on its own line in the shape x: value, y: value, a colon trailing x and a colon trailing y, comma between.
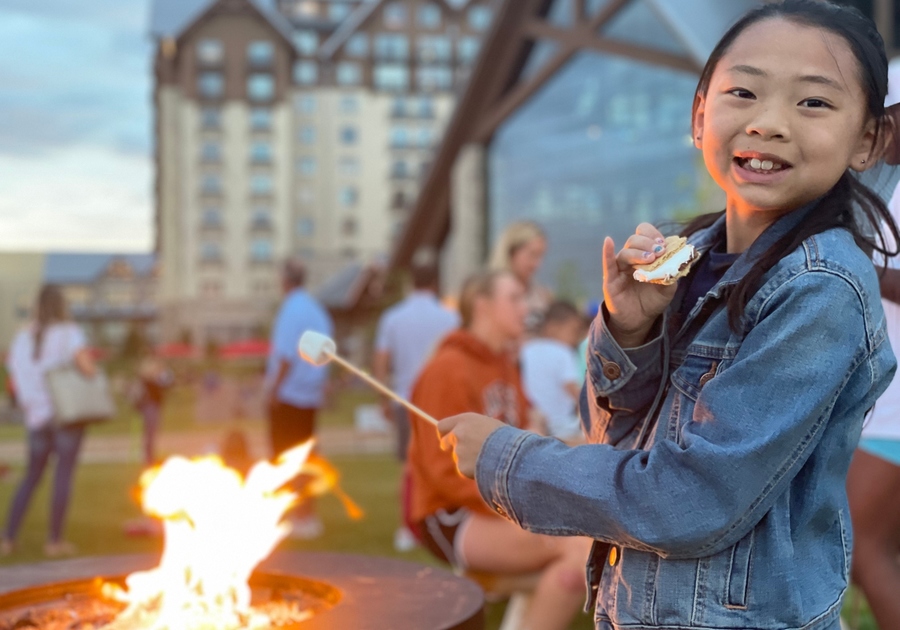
x: 339, y: 591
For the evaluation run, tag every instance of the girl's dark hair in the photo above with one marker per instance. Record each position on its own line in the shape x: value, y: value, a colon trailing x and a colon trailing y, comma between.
x: 51, y: 309
x: 849, y: 204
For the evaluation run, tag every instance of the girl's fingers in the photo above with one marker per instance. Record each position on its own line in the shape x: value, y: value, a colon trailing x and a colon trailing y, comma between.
x: 650, y: 231
x: 632, y: 257
x: 645, y: 244
x: 610, y: 266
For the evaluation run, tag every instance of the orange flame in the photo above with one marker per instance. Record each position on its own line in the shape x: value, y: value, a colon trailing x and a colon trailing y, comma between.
x: 218, y: 527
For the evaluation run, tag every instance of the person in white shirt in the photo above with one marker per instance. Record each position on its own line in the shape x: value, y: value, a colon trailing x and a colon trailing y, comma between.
x: 873, y: 483
x: 50, y: 341
x: 407, y: 335
x: 550, y: 372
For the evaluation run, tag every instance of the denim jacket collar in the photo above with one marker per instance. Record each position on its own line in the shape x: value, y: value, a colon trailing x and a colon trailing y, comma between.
x: 705, y: 239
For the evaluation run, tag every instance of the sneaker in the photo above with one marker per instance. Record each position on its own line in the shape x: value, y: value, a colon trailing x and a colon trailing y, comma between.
x: 307, y: 528
x: 404, y: 540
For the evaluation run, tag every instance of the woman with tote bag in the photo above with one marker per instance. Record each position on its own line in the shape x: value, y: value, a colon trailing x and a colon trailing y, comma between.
x: 52, y: 341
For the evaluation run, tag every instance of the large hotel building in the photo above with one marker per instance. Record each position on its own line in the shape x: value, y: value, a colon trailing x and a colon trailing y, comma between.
x: 292, y: 127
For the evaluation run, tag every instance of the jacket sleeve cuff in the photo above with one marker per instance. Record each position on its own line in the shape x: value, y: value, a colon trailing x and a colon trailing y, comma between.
x: 610, y: 367
x: 493, y: 466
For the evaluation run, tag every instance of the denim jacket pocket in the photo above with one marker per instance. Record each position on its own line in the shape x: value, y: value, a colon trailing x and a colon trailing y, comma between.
x: 695, y: 372
x: 738, y: 579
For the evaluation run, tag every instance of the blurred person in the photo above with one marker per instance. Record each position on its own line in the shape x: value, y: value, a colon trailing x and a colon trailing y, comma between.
x: 473, y: 370
x: 154, y: 379
x: 407, y: 335
x: 295, y: 389
x: 873, y: 484
x: 521, y: 249
x: 52, y: 340
x: 550, y: 371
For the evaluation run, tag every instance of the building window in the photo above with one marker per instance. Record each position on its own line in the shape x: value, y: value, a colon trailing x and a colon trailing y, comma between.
x: 338, y: 12
x: 261, y: 218
x: 349, y: 135
x: 392, y: 77
x: 425, y: 138
x: 306, y: 42
x: 306, y: 166
x: 394, y: 15
x: 400, y: 169
x: 399, y: 201
x: 399, y: 137
x: 480, y: 18
x: 307, y: 135
x: 434, y: 49
x: 348, y: 196
x: 431, y: 78
x: 391, y: 47
x: 261, y: 184
x: 210, y: 52
x: 348, y: 104
x: 306, y: 9
x: 211, y: 217
x: 305, y: 104
x: 260, y: 119
x: 425, y: 108
x: 210, y: 118
x: 211, y: 184
x: 261, y: 250
x: 306, y: 226
x: 211, y: 84
x: 467, y: 49
x: 398, y: 107
x: 349, y: 226
x: 211, y: 152
x: 261, y: 87
x: 429, y: 16
x: 260, y: 54
x: 348, y: 166
x: 348, y: 73
x: 261, y: 152
x: 306, y: 72
x: 357, y: 45
x: 210, y: 251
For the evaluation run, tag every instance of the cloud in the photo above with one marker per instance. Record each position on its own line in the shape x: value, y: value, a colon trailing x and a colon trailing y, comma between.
x: 75, y: 199
x: 76, y: 97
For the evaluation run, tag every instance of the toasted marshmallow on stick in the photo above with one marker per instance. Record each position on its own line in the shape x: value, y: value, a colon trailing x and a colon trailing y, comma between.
x: 673, y: 264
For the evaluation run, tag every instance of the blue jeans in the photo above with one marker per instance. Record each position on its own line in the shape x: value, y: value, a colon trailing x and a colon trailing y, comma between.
x: 66, y: 443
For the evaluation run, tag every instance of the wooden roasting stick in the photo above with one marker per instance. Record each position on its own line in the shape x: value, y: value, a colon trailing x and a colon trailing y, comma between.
x: 320, y: 349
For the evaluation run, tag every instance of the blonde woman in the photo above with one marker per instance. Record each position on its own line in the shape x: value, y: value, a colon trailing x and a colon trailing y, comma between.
x: 521, y: 249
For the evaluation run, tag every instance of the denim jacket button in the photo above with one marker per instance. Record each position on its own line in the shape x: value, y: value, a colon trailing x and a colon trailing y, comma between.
x: 613, y: 556
x: 612, y: 371
x: 499, y: 509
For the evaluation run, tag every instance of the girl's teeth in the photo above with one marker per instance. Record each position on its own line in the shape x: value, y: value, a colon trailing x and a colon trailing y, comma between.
x: 754, y: 163
x: 763, y: 165
x: 767, y: 165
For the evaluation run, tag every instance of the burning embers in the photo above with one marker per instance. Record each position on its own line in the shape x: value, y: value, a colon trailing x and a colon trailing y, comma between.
x: 218, y: 527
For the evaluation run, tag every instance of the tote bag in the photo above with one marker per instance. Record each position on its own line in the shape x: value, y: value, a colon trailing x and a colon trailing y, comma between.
x: 78, y: 398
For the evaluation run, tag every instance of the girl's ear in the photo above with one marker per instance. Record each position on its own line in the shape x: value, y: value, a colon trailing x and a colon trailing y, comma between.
x: 866, y: 151
x: 697, y: 122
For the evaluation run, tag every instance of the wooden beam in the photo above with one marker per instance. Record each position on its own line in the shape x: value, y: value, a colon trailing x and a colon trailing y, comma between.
x: 582, y: 39
x: 606, y: 14
x: 521, y: 93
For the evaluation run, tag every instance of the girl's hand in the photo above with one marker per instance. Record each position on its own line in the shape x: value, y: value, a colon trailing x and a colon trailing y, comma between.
x: 465, y: 434
x: 633, y: 306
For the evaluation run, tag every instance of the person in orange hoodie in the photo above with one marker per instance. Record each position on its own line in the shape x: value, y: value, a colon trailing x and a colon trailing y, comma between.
x: 474, y: 370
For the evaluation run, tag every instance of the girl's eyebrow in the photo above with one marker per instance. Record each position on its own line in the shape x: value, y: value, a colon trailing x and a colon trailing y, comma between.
x: 810, y: 78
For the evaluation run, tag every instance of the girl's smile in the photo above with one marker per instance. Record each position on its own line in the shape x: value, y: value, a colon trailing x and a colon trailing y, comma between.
x: 776, y: 136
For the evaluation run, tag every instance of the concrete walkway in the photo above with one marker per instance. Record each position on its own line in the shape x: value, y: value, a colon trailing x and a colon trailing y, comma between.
x: 126, y: 448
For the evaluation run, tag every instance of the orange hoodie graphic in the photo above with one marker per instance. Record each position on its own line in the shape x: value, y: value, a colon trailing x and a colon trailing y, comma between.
x: 464, y: 375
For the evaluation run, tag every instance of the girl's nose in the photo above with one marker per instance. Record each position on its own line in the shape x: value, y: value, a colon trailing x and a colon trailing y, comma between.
x: 770, y: 125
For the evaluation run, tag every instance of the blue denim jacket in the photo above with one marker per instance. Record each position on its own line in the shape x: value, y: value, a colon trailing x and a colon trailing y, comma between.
x: 714, y: 483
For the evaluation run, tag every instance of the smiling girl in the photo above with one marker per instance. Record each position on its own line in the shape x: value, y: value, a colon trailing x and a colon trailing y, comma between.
x: 723, y: 411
